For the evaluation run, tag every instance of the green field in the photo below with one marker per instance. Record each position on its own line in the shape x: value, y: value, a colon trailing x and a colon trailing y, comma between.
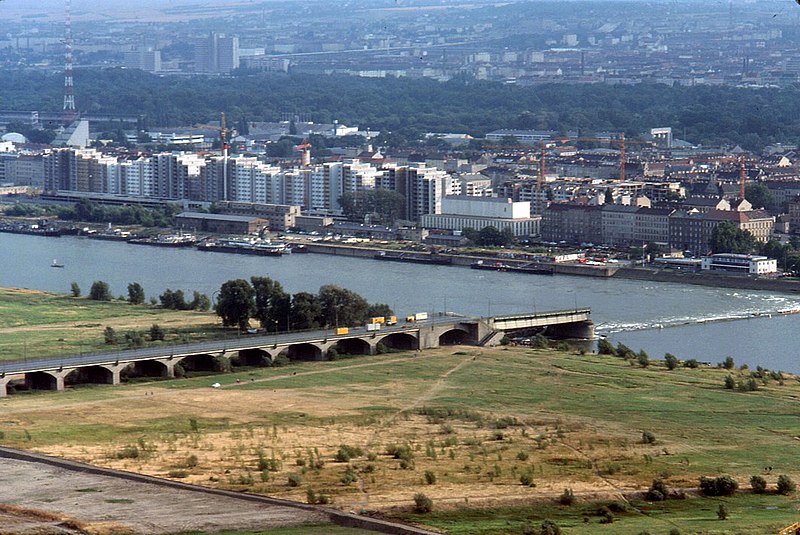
x: 39, y: 324
x: 476, y: 419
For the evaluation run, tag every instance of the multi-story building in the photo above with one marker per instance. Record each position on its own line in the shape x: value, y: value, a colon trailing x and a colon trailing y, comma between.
x: 460, y: 212
x: 572, y: 223
x: 217, y: 54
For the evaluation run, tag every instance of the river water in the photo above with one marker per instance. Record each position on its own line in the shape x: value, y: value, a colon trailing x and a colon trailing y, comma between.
x: 688, y: 321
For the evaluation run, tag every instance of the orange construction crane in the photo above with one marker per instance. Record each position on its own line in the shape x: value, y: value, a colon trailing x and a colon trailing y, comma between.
x: 225, y: 135
x: 620, y: 140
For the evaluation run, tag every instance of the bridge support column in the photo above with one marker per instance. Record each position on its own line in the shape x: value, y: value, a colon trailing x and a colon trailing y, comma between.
x: 115, y: 370
x: 324, y: 347
x: 4, y: 380
x: 169, y: 365
x: 580, y: 329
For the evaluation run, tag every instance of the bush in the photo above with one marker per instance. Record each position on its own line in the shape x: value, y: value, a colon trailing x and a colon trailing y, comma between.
x: 156, y: 332
x: 722, y: 512
x: 110, y: 336
x: 648, y: 438
x: 430, y: 478
x: 625, y: 352
x: 643, y: 359
x: 718, y: 486
x: 294, y: 480
x: 99, y: 291
x: 567, y: 497
x: 758, y: 484
x: 191, y: 461
x: 349, y: 476
x: 658, y: 491
x: 527, y: 479
x: 346, y: 453
x: 422, y: 503
x: 128, y: 452
x: 691, y: 363
x: 604, y: 347
x: 786, y: 485
x: 728, y: 363
x: 522, y: 456
x: 729, y: 382
x: 671, y: 361
x: 549, y: 528
x: 75, y: 290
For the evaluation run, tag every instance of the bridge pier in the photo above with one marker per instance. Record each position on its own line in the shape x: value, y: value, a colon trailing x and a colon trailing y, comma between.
x: 169, y: 366
x: 115, y: 370
x: 4, y: 380
x: 38, y: 380
x: 580, y: 329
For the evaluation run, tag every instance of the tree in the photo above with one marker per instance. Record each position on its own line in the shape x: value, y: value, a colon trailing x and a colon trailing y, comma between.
x: 758, y: 484
x: 383, y: 206
x: 379, y: 310
x: 75, y: 290
x: 604, y: 347
x: 671, y: 361
x: 109, y: 336
x: 758, y: 195
x: 99, y: 291
x: 135, y: 293
x: 722, y: 512
x: 272, y: 304
x: 785, y: 485
x: 728, y: 363
x: 235, y: 304
x: 341, y: 306
x: 728, y: 238
x: 173, y: 300
x: 305, y: 312
x: 200, y: 302
x: 156, y: 332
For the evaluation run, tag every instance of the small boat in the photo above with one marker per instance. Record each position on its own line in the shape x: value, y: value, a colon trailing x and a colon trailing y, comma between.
x: 56, y: 264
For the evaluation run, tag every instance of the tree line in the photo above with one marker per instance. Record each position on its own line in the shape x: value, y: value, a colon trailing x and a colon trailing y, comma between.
x: 264, y: 299
x: 93, y: 212
x: 406, y: 108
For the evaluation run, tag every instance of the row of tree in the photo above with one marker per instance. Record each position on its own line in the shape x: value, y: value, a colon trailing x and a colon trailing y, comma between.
x: 265, y: 300
x: 174, y: 300
x: 92, y: 212
x: 405, y: 108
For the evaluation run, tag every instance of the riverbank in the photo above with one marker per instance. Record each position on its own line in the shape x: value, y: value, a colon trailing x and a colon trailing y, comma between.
x: 583, y: 270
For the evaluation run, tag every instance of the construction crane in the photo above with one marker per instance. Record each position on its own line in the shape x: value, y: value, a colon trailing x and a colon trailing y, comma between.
x: 225, y: 135
x: 620, y: 140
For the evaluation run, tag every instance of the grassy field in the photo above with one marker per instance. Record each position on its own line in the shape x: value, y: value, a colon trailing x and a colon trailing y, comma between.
x: 463, y: 425
x: 40, y: 324
x: 476, y: 419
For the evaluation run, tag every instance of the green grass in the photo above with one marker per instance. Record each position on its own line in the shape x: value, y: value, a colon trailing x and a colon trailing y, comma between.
x: 316, y: 529
x: 749, y: 514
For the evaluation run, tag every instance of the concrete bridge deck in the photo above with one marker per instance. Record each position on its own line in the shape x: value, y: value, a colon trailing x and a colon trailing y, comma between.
x: 254, y: 350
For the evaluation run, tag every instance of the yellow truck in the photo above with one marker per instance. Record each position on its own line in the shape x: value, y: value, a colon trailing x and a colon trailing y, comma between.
x: 342, y: 330
x: 377, y: 320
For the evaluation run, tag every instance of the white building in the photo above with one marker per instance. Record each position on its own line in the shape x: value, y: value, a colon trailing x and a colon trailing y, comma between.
x: 739, y: 263
x: 476, y: 213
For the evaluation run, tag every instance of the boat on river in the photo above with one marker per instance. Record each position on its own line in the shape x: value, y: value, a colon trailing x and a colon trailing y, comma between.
x: 414, y: 258
x: 167, y: 240
x: 249, y: 246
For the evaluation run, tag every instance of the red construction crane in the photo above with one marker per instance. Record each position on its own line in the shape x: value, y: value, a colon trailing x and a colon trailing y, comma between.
x: 305, y: 152
x: 620, y: 140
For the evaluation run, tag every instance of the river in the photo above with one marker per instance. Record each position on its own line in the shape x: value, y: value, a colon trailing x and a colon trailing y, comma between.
x: 689, y: 321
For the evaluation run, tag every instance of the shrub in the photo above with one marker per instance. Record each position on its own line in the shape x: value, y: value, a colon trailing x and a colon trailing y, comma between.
x: 430, y: 478
x: 294, y: 480
x: 346, y: 453
x: 128, y: 452
x: 729, y: 382
x: 648, y: 438
x: 99, y: 291
x: 522, y: 456
x: 540, y: 341
x: 317, y: 499
x: 349, y: 476
x: 75, y: 290
x: 549, y: 528
x: 625, y: 352
x: 643, y: 359
x: 722, y: 512
x: 422, y: 503
x: 674, y: 531
x: 110, y: 336
x: 178, y: 474
x: 691, y: 363
x: 191, y: 461
x: 527, y: 478
x: 671, y: 361
x: 156, y: 332
x: 567, y: 497
x: 505, y: 340
x: 718, y: 486
x: 728, y: 363
x: 758, y: 484
x: 658, y: 491
x: 786, y: 485
x: 604, y: 347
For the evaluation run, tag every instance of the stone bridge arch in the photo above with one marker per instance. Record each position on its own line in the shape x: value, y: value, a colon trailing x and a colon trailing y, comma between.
x: 455, y: 336
x: 354, y: 346
x: 401, y: 340
x: 90, y: 375
x: 306, y: 351
x: 204, y: 362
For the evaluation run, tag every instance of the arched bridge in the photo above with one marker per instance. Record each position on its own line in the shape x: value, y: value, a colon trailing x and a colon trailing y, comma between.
x: 259, y: 350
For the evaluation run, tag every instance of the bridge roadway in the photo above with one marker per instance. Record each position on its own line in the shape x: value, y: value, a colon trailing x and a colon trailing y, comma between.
x: 441, y: 329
